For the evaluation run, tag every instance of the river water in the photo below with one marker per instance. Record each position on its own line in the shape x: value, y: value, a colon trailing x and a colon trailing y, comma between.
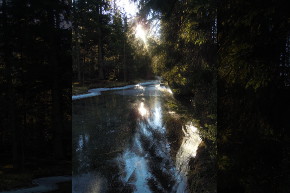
x: 121, y: 142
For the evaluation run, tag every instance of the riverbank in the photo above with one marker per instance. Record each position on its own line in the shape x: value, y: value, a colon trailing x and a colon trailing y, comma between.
x: 12, y: 179
x: 54, y: 184
x: 63, y: 187
x: 202, y: 176
x: 202, y: 168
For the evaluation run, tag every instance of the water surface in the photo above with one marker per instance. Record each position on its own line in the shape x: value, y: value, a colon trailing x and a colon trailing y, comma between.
x: 121, y: 143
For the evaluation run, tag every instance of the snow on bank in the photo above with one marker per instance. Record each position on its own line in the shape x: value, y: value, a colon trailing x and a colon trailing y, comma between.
x: 85, y: 95
x: 97, y: 91
x: 43, y: 185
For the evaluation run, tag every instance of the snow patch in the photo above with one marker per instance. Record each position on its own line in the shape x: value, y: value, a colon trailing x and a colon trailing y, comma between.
x: 97, y: 91
x: 75, y: 97
x: 43, y: 185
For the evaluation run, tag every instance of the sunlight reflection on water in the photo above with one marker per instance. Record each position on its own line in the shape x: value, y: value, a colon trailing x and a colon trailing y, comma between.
x: 145, y: 163
x: 163, y: 88
x: 138, y: 86
x: 188, y: 147
x: 187, y: 150
x: 150, y: 139
x: 142, y: 110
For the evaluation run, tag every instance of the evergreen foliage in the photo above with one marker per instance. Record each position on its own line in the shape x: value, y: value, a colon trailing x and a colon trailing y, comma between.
x: 101, y: 44
x: 35, y: 87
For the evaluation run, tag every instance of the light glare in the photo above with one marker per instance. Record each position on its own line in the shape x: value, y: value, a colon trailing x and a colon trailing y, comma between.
x: 140, y: 33
x: 142, y: 110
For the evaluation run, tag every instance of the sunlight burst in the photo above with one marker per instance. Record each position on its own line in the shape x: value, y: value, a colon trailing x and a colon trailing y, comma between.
x: 140, y: 33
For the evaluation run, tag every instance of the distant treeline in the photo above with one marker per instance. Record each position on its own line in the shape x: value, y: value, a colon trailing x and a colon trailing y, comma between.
x: 104, y: 45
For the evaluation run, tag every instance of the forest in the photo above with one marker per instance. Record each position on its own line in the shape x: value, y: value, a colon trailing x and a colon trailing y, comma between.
x: 253, y: 96
x: 35, y: 100
x: 104, y: 47
x: 227, y: 61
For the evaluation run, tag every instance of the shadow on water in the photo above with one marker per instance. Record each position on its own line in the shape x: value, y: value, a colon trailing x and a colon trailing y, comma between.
x: 121, y: 144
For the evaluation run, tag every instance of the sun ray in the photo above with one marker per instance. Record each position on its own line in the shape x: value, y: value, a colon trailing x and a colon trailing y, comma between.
x: 141, y: 33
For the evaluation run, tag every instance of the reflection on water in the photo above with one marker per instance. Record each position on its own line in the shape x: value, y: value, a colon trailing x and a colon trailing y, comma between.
x: 163, y: 88
x: 88, y: 183
x: 138, y: 86
x: 121, y: 144
x: 186, y: 151
x: 142, y: 110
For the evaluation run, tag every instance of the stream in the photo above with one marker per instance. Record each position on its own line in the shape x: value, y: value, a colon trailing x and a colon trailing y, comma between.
x: 121, y: 142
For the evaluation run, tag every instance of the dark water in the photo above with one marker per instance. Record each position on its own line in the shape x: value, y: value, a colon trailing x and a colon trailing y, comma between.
x: 120, y: 143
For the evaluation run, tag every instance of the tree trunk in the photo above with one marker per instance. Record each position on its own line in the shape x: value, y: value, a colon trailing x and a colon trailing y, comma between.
x: 11, y: 100
x: 56, y: 90
x: 100, y: 54
x: 79, y: 67
x: 125, y: 70
x: 124, y: 62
